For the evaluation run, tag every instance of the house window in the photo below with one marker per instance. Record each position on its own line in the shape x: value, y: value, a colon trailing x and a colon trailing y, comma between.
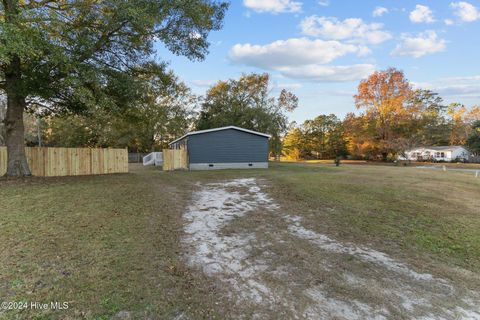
x: 442, y: 154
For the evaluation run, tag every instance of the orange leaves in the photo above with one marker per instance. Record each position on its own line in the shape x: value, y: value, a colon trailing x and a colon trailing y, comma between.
x: 383, y: 89
x: 474, y: 114
x: 385, y: 96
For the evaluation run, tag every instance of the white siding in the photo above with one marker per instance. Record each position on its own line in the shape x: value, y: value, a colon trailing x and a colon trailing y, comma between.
x: 436, y: 155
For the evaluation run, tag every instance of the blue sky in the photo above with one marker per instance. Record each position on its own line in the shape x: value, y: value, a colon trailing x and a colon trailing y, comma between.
x: 321, y: 49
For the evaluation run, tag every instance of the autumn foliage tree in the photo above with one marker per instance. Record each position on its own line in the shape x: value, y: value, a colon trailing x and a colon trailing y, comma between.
x: 359, y: 134
x: 461, y: 121
x: 394, y: 117
x: 295, y: 145
x: 384, y: 96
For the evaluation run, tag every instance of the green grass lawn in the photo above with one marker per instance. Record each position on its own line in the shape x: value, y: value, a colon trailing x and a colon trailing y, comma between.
x: 404, y: 210
x: 112, y: 243
x: 102, y: 243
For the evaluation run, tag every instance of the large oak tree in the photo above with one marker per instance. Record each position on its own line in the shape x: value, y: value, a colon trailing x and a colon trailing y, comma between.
x: 68, y: 55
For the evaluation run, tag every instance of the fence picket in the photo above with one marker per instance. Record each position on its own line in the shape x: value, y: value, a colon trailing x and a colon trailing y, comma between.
x: 175, y: 159
x: 52, y: 162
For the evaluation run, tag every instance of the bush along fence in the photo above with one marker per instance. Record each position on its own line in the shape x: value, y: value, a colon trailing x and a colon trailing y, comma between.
x: 54, y: 162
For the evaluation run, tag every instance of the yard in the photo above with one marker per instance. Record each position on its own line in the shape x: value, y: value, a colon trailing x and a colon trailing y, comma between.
x: 305, y: 240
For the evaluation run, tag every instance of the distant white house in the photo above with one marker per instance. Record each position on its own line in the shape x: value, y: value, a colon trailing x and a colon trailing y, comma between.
x: 442, y: 153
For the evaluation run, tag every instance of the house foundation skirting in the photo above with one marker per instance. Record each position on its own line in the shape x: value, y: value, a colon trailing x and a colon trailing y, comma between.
x: 235, y: 165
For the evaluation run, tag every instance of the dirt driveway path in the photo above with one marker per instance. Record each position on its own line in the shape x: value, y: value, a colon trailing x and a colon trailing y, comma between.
x: 272, y: 265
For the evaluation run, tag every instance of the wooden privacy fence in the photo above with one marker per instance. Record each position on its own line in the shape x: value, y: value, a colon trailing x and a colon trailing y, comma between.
x: 53, y: 162
x: 174, y: 159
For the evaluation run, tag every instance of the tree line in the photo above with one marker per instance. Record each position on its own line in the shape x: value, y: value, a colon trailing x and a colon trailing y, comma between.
x: 166, y: 111
x: 77, y: 73
x: 392, y: 118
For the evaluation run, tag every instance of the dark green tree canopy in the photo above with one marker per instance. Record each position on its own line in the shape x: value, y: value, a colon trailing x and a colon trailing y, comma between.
x: 473, y: 141
x: 247, y: 103
x: 163, y: 112
x: 427, y: 125
x: 79, y: 53
x: 320, y: 138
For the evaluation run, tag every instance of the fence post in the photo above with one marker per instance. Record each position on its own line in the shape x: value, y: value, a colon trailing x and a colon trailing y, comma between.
x: 444, y: 168
x: 477, y: 173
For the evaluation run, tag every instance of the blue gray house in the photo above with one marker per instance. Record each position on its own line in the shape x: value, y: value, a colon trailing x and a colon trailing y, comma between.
x: 226, y: 147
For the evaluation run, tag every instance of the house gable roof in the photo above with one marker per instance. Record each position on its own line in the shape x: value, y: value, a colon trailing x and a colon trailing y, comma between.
x: 220, y: 129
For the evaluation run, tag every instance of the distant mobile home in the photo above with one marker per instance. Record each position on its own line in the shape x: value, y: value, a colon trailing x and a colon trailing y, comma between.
x: 441, y: 153
x: 224, y: 148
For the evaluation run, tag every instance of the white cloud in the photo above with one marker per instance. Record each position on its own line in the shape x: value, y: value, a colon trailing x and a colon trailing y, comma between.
x: 463, y: 79
x: 296, y: 51
x: 422, y: 44
x: 459, y: 90
x: 379, y: 11
x: 302, y: 58
x: 320, y: 73
x: 353, y: 29
x: 286, y: 86
x: 324, y: 3
x: 448, y: 22
x: 464, y: 87
x: 203, y: 83
x: 465, y: 11
x: 363, y: 51
x: 273, y: 6
x: 421, y: 14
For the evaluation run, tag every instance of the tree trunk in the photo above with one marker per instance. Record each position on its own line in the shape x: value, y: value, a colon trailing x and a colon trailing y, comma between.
x: 17, y: 165
x: 384, y: 156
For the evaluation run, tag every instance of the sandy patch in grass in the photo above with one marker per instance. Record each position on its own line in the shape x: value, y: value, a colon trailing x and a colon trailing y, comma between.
x: 326, y: 307
x: 214, y: 206
x: 328, y: 244
x: 262, y: 283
